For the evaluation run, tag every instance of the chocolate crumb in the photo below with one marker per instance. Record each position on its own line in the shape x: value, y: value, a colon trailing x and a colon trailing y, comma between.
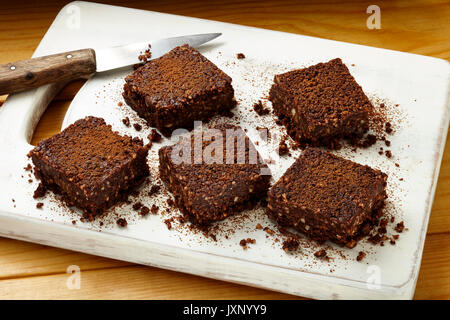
x: 137, y: 206
x: 388, y: 153
x: 122, y: 222
x: 137, y: 127
x: 126, y: 121
x: 144, y: 211
x: 28, y: 167
x: 290, y: 244
x: 154, y: 209
x: 361, y: 255
x: 154, y: 190
x: 259, y: 108
x: 399, y: 227
x: 154, y: 136
x: 283, y: 148
x: 268, y: 230
x: 39, y: 205
x: 168, y: 223
x: 243, y: 243
x: 320, y: 254
x: 258, y: 226
x: 388, y: 128
x: 240, y: 56
x: 120, y: 104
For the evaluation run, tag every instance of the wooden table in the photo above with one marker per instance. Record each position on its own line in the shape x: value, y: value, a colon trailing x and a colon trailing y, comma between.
x: 39, y: 272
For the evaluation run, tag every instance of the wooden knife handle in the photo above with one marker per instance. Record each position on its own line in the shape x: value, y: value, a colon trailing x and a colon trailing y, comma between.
x: 32, y: 73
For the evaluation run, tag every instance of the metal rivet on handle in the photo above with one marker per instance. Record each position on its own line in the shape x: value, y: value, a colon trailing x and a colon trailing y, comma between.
x: 69, y: 56
x: 13, y: 67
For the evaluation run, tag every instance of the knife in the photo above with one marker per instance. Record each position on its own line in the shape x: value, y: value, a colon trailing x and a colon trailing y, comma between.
x: 84, y: 63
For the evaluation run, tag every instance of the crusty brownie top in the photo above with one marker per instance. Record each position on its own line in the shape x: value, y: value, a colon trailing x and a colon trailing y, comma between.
x: 217, y: 184
x: 177, y: 77
x: 88, y: 151
x: 325, y: 93
x: 333, y: 188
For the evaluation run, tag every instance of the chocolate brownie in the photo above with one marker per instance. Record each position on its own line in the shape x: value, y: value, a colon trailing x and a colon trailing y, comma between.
x: 218, y: 176
x: 178, y: 88
x: 328, y: 197
x: 90, y: 165
x: 321, y: 104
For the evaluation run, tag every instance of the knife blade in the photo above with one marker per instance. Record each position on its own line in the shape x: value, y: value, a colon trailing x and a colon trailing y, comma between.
x: 84, y: 63
x: 127, y: 55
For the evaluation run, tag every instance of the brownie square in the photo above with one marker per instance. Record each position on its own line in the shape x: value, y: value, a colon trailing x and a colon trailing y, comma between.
x: 178, y: 88
x: 92, y: 166
x: 208, y: 190
x: 328, y: 197
x: 321, y: 104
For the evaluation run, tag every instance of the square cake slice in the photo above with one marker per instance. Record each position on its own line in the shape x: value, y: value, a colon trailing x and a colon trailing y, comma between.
x: 328, y: 197
x: 214, y: 173
x: 92, y: 166
x: 321, y: 104
x: 178, y: 88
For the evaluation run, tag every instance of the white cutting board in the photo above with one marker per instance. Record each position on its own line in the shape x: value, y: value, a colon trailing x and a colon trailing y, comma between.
x: 418, y: 84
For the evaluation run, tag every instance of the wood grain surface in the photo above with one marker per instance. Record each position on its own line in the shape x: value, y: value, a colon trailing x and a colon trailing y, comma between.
x: 39, y: 272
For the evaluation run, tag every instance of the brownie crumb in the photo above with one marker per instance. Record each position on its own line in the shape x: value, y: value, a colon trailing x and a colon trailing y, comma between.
x: 268, y: 230
x: 30, y: 180
x: 144, y: 211
x: 146, y: 55
x: 388, y: 128
x: 137, y: 206
x: 400, y: 227
x: 154, y: 136
x: 361, y: 255
x: 321, y: 253
x: 154, y: 190
x: 259, y: 108
x: 122, y: 222
x: 137, y: 127
x: 28, y: 167
x: 39, y: 205
x: 120, y: 104
x: 388, y: 153
x: 243, y: 243
x: 258, y: 226
x: 74, y: 222
x: 168, y: 223
x: 397, y: 165
x: 387, y: 142
x: 240, y: 56
x: 154, y: 209
x: 290, y: 244
x: 126, y: 121
x: 283, y: 148
x: 40, y: 191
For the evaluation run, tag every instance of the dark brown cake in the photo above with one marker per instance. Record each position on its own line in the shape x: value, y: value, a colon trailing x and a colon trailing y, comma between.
x: 208, y: 190
x: 180, y: 87
x: 91, y: 165
x: 328, y: 197
x: 321, y: 104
